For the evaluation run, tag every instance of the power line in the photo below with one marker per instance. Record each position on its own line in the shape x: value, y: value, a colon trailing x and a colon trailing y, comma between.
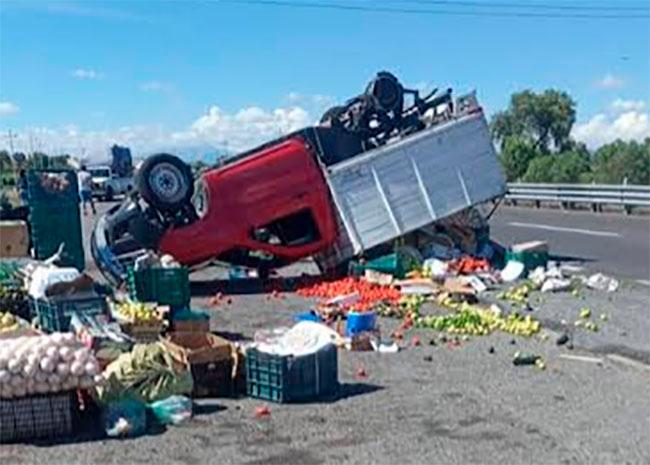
x: 527, y: 6
x: 438, y: 12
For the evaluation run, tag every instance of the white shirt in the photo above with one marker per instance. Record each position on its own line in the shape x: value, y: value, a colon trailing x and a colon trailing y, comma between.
x: 84, y: 179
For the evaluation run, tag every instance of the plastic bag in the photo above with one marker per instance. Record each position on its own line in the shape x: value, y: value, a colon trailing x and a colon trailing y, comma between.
x: 172, y: 410
x: 125, y: 418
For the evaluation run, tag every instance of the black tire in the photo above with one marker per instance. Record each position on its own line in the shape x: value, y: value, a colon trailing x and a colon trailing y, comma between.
x: 165, y: 182
x: 109, y: 193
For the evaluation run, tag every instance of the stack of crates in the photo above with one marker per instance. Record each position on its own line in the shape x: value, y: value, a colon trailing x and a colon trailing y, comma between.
x: 54, y: 215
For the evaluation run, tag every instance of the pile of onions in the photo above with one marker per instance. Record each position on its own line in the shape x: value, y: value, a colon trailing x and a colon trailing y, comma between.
x: 49, y: 363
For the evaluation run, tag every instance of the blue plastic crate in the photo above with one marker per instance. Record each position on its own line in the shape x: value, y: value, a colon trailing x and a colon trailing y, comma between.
x: 54, y: 314
x: 292, y: 379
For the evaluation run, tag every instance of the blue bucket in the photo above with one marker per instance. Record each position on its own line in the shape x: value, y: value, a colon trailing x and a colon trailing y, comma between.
x: 360, y: 322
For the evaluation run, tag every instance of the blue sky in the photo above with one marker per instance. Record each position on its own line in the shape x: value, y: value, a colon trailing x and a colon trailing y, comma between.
x: 77, y: 76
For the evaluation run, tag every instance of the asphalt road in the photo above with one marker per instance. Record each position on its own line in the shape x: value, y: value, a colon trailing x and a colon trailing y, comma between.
x: 425, y: 404
x: 613, y: 243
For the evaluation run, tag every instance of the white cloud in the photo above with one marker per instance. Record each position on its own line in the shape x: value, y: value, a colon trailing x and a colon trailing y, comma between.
x: 244, y: 129
x: 610, y: 81
x: 233, y: 132
x: 156, y: 86
x: 90, y: 74
x: 626, y: 120
x: 620, y: 105
x: 8, y: 108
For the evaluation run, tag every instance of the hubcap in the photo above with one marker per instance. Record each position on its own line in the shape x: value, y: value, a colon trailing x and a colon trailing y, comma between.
x: 167, y: 182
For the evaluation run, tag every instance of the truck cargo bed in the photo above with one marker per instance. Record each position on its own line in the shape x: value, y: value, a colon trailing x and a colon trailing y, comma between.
x: 401, y: 187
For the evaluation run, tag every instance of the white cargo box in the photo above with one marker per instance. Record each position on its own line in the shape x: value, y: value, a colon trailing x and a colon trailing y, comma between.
x: 406, y: 185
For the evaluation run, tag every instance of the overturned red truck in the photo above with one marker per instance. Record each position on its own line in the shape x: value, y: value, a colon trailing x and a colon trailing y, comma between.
x: 387, y: 164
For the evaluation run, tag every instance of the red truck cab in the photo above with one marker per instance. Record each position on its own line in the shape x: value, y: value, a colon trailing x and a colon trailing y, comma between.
x: 272, y: 206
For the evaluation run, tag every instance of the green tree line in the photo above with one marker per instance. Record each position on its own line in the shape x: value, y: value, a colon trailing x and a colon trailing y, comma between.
x: 534, y: 139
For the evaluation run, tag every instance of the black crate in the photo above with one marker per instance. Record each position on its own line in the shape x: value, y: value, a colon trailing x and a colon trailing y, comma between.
x: 45, y: 416
x: 213, y: 379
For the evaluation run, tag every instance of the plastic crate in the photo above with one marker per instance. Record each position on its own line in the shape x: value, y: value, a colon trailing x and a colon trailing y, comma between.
x: 38, y: 417
x: 52, y: 225
x: 41, y: 189
x: 54, y: 314
x: 531, y: 260
x: 213, y: 379
x: 166, y: 286
x: 292, y: 379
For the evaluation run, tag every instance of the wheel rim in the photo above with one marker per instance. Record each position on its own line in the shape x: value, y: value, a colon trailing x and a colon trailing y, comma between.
x: 167, y: 182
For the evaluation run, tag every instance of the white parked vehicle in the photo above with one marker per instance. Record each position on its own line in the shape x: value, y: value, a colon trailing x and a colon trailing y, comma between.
x: 106, y: 184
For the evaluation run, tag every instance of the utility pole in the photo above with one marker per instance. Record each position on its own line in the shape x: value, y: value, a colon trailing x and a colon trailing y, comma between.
x: 10, y: 136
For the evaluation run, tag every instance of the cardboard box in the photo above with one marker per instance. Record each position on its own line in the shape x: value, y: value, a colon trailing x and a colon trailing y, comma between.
x: 196, y: 348
x: 14, y: 239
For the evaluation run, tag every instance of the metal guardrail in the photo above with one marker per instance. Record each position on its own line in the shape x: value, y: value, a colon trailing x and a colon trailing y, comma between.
x: 597, y: 195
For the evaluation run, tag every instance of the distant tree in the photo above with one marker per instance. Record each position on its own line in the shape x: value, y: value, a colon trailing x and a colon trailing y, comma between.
x: 570, y: 167
x: 540, y: 169
x: 619, y: 161
x: 544, y: 120
x: 516, y: 154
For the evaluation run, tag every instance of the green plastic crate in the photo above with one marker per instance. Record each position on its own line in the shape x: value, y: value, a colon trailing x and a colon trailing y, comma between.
x: 40, y: 191
x: 54, y: 314
x: 292, y: 379
x: 397, y: 264
x: 531, y: 260
x: 52, y: 225
x: 166, y: 286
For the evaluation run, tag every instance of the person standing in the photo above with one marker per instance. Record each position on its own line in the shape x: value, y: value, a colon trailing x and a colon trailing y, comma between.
x: 84, y: 178
x: 22, y: 187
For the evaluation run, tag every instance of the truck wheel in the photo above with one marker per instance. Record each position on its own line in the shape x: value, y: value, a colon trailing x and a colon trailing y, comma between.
x: 165, y: 181
x: 109, y: 193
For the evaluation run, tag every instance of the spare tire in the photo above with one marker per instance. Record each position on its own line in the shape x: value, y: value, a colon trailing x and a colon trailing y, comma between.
x: 165, y: 182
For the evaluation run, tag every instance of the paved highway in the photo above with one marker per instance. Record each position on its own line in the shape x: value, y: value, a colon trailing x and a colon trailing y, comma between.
x: 609, y: 242
x: 452, y: 404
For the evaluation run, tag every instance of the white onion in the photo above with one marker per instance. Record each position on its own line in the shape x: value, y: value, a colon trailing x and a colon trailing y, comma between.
x: 63, y: 369
x: 40, y: 376
x: 47, y: 364
x: 76, y: 368
x: 29, y: 370
x: 52, y: 351
x: 66, y: 353
x: 5, y: 376
x: 15, y: 365
x: 91, y: 368
x: 16, y: 380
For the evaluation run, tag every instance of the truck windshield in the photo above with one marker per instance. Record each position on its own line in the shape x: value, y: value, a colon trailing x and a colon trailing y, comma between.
x: 100, y: 173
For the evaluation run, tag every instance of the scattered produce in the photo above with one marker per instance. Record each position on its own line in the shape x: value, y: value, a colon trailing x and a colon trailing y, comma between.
x: 370, y: 294
x: 563, y: 339
x: 8, y: 322
x: 14, y: 300
x: 477, y: 321
x: 522, y: 358
x: 139, y: 313
x: 48, y: 363
x: 517, y: 294
x: 585, y: 313
x: 603, y: 317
